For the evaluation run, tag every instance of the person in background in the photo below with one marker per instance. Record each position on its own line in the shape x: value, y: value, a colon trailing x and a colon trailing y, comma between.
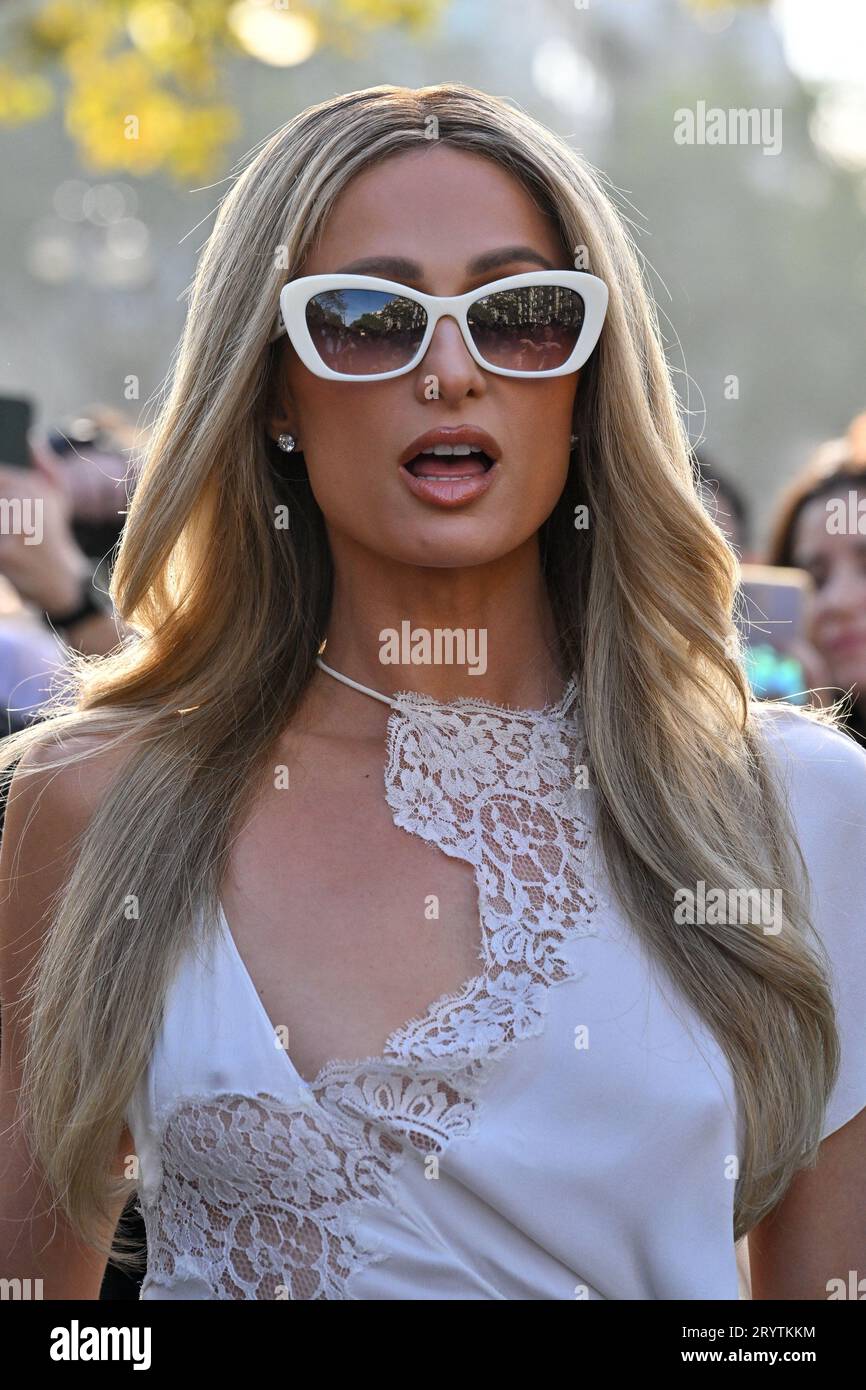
x: 794, y: 670
x: 54, y: 595
x: 98, y: 452
x: 820, y: 526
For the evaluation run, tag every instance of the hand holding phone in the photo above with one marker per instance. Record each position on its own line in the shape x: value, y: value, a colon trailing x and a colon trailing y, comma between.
x: 780, y: 662
x: 38, y: 552
x: 16, y: 419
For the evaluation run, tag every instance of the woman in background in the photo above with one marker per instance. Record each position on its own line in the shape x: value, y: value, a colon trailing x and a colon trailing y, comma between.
x: 820, y: 527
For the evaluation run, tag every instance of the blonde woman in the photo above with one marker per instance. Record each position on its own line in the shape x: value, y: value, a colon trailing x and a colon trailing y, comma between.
x: 395, y: 967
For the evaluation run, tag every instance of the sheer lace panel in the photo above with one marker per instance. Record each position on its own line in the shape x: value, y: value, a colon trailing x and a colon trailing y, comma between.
x: 261, y: 1197
x: 259, y: 1200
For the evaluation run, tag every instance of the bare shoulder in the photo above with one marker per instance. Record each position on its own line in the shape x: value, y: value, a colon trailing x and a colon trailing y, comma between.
x: 55, y: 789
x: 64, y: 778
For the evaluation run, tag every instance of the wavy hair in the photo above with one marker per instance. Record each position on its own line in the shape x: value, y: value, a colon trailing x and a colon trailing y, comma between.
x: 227, y: 612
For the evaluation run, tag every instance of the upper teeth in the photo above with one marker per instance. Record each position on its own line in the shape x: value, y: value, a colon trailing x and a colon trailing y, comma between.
x: 454, y: 449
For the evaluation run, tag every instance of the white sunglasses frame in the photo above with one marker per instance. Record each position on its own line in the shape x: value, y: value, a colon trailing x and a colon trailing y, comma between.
x: 295, y: 295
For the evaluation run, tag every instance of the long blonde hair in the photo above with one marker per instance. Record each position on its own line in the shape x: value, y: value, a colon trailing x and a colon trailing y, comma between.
x: 229, y: 610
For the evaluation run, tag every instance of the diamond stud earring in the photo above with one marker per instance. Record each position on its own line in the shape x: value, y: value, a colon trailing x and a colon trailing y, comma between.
x: 574, y: 439
x: 286, y: 442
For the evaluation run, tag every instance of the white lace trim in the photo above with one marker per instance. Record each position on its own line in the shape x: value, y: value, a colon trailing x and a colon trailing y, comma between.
x: 262, y: 1198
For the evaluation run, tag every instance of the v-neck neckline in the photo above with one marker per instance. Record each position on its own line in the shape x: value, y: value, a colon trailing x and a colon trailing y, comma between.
x: 353, y: 1065
x: 389, y: 1058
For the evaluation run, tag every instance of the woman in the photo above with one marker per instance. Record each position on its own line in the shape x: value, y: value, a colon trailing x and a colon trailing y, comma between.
x: 246, y: 935
x: 821, y: 528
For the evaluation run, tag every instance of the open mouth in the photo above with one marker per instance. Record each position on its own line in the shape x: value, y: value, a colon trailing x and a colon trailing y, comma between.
x: 449, y: 462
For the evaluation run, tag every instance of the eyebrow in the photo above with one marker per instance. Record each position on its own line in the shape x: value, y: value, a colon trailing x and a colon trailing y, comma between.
x: 399, y: 268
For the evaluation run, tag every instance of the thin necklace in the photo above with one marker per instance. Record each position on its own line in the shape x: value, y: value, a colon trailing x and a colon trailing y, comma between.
x: 399, y: 704
x: 356, y: 685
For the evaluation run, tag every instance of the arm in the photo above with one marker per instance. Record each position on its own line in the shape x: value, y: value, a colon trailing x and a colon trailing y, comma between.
x: 47, y: 567
x: 36, y: 1241
x: 95, y: 634
x: 818, y: 1230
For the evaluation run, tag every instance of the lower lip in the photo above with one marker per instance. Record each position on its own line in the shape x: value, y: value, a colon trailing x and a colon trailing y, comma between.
x: 449, y: 492
x: 845, y: 645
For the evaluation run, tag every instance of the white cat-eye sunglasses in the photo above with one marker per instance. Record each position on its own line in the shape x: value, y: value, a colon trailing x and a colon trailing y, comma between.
x: 359, y: 328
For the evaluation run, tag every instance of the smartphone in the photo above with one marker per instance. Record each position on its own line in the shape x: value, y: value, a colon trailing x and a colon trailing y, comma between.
x: 16, y: 418
x: 772, y: 617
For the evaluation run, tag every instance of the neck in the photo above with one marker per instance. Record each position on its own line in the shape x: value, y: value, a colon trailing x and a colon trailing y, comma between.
x: 484, y: 631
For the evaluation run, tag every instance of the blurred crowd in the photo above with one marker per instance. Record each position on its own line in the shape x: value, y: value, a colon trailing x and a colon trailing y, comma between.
x: 803, y: 596
x: 54, y: 579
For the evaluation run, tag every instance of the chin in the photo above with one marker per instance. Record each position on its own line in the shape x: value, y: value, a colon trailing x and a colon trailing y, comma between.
x: 451, y: 539
x: 446, y: 552
x: 845, y: 668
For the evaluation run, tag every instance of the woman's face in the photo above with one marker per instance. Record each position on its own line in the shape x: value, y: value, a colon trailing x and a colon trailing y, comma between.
x: 837, y: 564
x: 442, y: 221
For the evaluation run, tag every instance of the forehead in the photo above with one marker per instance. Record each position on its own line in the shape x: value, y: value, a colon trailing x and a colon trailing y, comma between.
x: 812, y: 535
x: 436, y: 205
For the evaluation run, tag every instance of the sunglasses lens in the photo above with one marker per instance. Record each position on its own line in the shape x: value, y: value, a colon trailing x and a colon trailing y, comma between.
x: 533, y: 328
x: 360, y: 332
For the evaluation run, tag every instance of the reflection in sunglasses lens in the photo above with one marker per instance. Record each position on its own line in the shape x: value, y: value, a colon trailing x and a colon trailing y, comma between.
x: 530, y: 329
x: 358, y: 332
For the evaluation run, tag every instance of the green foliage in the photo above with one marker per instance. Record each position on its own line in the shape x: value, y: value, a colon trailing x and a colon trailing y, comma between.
x: 141, y: 82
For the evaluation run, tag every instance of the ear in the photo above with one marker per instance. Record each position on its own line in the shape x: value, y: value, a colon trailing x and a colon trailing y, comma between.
x: 575, y: 406
x: 280, y: 414
x: 281, y: 423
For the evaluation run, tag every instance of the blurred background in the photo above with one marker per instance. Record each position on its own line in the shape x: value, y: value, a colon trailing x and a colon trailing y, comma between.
x: 122, y: 121
x: 757, y: 260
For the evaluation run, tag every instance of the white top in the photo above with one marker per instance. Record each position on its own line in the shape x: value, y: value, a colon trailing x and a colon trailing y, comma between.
x: 561, y: 1127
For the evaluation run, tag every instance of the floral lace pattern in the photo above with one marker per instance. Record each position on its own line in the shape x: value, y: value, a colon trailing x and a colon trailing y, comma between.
x: 261, y: 1197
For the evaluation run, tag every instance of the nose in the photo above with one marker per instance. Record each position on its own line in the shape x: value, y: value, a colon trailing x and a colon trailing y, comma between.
x: 448, y: 371
x: 842, y: 592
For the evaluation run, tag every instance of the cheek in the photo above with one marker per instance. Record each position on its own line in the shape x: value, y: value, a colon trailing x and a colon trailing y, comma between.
x: 842, y: 596
x: 535, y: 422
x: 826, y: 619
x: 346, y: 445
x: 818, y: 613
x: 539, y: 485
